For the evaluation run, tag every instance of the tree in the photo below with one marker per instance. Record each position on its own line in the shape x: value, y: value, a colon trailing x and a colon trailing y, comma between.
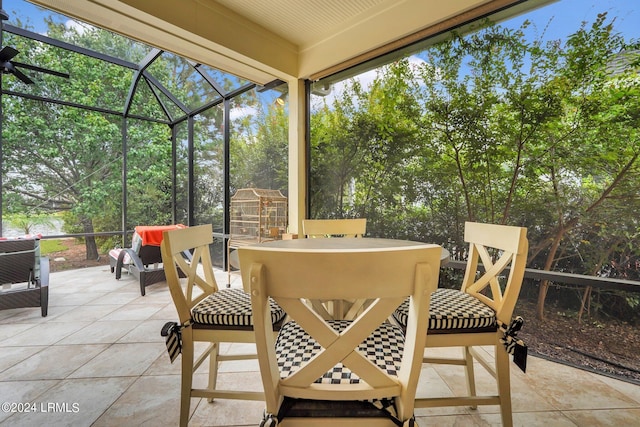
x: 60, y: 158
x: 498, y: 128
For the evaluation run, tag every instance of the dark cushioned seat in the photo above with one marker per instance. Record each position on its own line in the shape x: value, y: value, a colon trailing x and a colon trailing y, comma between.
x: 453, y: 311
x: 230, y: 307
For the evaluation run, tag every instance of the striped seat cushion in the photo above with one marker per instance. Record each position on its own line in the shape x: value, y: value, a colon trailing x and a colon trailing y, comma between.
x: 114, y: 253
x: 294, y: 347
x: 452, y: 310
x: 230, y: 307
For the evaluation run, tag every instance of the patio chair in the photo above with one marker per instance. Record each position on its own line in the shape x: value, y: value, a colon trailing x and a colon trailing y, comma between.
x: 115, y: 260
x: 317, y: 228
x: 206, y: 314
x: 324, y: 372
x: 479, y: 314
x: 24, y: 275
x: 324, y: 228
x: 143, y: 259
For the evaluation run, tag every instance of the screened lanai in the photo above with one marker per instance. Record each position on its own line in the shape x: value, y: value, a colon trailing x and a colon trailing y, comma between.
x: 178, y: 136
x: 277, y: 48
x: 302, y: 43
x: 170, y: 147
x: 108, y: 133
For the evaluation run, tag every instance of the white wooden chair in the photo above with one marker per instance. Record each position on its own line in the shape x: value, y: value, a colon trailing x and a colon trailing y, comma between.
x: 326, y: 372
x: 473, y: 315
x: 207, y: 314
x: 318, y: 228
x: 324, y: 228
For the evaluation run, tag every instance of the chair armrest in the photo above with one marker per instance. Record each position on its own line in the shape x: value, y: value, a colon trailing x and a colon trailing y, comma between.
x: 44, y: 271
x: 135, y: 259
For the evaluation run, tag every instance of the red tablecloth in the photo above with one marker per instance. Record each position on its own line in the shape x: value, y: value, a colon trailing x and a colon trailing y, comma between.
x: 152, y: 234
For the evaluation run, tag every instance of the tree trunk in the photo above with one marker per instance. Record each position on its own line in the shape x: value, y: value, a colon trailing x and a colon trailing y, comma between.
x: 544, y: 285
x: 90, y: 241
x: 563, y: 229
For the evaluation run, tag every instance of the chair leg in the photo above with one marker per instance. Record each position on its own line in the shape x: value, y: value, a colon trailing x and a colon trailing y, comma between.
x: 44, y: 300
x: 213, y: 368
x: 504, y: 385
x: 469, y: 373
x: 142, y: 277
x: 187, y: 378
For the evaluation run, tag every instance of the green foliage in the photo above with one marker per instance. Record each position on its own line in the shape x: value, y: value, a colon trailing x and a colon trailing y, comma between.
x: 494, y: 127
x: 29, y: 223
x: 48, y: 246
x: 259, y: 148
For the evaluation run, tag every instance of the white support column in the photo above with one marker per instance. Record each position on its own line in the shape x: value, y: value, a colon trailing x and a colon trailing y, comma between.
x: 297, y: 156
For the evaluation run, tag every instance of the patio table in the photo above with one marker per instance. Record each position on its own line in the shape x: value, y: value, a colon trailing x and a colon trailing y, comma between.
x: 340, y: 309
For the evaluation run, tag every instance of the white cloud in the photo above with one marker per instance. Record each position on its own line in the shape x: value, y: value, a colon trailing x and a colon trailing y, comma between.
x: 365, y: 79
x: 80, y: 27
x: 241, y: 112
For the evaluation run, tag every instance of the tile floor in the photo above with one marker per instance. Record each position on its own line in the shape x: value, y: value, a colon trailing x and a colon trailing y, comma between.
x: 98, y: 360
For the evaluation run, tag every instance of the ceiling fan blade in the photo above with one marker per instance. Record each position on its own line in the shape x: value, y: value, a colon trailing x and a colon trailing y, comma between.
x: 7, y: 53
x: 19, y: 74
x: 41, y: 70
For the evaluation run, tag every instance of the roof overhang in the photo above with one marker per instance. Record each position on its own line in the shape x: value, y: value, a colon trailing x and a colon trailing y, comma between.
x: 263, y: 40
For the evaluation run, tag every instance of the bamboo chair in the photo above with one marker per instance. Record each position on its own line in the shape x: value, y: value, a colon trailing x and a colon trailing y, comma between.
x: 476, y: 314
x: 324, y: 372
x: 207, y: 314
x: 325, y: 228
x: 353, y: 227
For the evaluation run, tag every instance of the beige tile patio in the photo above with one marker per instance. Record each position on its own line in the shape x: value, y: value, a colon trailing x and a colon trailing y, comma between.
x: 134, y: 312
x: 142, y: 405
x: 602, y: 417
x: 101, y: 332
x: 13, y: 355
x: 145, y: 331
x: 106, y: 354
x: 54, y: 362
x: 45, y: 333
x: 22, y: 392
x: 86, y: 313
x: 121, y: 360
x: 73, y: 402
x: 568, y: 388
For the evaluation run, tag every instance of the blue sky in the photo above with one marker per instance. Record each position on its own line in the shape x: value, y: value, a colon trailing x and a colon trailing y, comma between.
x: 557, y: 20
x: 567, y: 15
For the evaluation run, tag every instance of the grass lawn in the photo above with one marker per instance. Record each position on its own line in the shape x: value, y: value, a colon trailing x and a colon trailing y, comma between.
x: 54, y: 245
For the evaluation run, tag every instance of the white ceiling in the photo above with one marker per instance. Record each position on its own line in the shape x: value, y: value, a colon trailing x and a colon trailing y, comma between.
x: 305, y: 22
x: 261, y: 40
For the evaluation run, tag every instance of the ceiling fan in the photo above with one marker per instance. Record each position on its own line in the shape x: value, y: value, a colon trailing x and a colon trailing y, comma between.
x: 11, y: 67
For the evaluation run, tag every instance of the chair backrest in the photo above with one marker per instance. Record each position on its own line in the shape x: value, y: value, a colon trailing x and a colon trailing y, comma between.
x: 355, y: 227
x: 386, y: 276
x: 200, y: 281
x: 498, y: 248
x: 19, y: 260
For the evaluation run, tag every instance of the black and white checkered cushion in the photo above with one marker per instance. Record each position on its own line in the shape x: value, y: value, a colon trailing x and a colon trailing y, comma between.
x: 452, y: 309
x: 294, y: 347
x: 230, y: 307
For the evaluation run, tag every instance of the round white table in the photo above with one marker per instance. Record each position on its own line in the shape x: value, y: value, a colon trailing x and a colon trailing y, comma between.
x: 338, y: 308
x: 337, y: 244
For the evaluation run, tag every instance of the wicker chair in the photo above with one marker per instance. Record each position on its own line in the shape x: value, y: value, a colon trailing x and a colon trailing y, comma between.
x: 24, y: 275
